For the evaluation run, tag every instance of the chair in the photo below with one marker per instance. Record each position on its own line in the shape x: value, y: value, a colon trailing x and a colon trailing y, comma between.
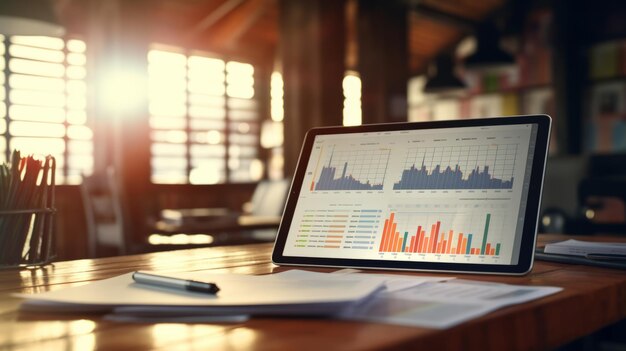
x: 256, y: 223
x: 559, y: 206
x: 108, y: 231
x: 104, y: 213
x: 268, y: 201
x: 603, y: 204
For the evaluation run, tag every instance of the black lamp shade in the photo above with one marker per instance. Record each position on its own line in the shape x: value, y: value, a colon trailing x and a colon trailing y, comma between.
x: 444, y: 81
x: 489, y: 55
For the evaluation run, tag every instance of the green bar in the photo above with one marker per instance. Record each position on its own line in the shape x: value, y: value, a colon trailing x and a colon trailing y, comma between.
x: 482, y: 250
x: 469, y: 244
x: 498, y: 249
x: 406, y: 234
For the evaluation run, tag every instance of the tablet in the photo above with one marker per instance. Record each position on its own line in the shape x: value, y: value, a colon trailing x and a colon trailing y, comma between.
x: 453, y: 196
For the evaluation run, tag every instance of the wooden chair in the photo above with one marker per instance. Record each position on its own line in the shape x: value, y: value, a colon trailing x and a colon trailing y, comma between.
x: 105, y: 213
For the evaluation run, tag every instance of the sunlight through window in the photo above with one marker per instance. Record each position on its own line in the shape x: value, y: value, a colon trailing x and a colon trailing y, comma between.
x: 277, y: 97
x: 47, y: 103
x: 198, y: 105
x: 352, y: 99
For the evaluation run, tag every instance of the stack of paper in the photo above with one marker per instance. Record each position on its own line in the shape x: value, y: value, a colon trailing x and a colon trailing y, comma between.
x: 435, y: 302
x: 264, y: 294
x: 584, y: 248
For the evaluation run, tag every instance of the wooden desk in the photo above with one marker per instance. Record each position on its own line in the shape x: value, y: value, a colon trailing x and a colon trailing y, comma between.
x: 593, y: 298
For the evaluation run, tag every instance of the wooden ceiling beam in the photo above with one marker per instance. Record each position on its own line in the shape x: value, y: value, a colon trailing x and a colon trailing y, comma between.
x: 248, y: 15
x: 226, y: 33
x: 213, y: 17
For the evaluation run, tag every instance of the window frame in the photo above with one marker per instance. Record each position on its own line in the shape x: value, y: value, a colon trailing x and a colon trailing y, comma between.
x: 227, y: 131
x: 65, y: 172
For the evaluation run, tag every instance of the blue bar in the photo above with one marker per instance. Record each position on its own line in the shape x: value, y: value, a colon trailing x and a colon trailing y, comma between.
x: 469, y: 244
x: 406, y: 235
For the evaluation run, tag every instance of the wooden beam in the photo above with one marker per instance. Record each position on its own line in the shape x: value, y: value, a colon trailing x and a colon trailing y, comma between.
x: 383, y: 60
x: 312, y: 40
x: 226, y: 33
x: 568, y: 61
x: 212, y: 18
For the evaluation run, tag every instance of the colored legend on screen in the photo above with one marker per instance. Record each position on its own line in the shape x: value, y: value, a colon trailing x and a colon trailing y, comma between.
x: 339, y: 229
x: 433, y: 238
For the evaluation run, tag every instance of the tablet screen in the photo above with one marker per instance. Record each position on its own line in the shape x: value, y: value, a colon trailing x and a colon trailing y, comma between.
x: 449, y: 195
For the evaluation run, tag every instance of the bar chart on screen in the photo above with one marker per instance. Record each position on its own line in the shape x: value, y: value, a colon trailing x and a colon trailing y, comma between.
x: 350, y: 169
x: 452, y: 167
x: 450, y: 236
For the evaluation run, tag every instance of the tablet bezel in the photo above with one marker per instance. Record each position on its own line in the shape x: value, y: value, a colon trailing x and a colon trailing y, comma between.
x: 529, y: 233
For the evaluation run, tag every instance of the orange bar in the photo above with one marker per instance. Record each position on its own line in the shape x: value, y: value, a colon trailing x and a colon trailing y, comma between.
x: 464, y: 246
x: 410, y: 248
x: 389, y: 236
x: 458, y: 245
x: 443, y: 243
x: 382, y: 240
x: 418, y: 242
x: 312, y: 185
x: 444, y: 246
x: 493, y: 251
x: 426, y: 243
x: 436, y: 235
x: 418, y: 237
x: 449, y: 241
x: 430, y: 246
x: 488, y: 249
x: 397, y: 242
x: 392, y: 239
x: 472, y: 251
x: 438, y: 248
x: 420, y: 247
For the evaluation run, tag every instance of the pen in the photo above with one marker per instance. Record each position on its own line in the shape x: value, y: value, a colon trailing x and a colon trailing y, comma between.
x: 175, y: 283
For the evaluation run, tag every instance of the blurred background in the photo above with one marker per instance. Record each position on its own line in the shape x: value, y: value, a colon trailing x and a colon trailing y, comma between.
x: 178, y: 123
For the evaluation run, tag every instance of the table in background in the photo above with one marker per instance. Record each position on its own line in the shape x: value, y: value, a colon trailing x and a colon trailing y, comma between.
x: 593, y: 298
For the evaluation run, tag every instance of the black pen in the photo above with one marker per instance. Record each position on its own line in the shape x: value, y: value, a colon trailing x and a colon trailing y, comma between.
x: 175, y: 283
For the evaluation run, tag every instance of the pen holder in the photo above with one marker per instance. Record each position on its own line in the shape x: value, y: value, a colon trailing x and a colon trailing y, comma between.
x: 26, y: 238
x: 27, y: 212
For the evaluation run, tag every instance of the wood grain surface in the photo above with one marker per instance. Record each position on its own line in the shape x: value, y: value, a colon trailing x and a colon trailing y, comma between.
x: 592, y: 298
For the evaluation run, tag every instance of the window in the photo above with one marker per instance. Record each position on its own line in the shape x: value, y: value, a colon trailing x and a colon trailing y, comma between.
x: 272, y: 132
x: 203, y: 119
x: 352, y: 99
x: 43, y: 103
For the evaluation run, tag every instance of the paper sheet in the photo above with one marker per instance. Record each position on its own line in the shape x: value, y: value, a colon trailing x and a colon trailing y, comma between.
x: 424, y: 301
x: 443, y: 304
x: 582, y: 248
x: 392, y: 282
x: 238, y: 294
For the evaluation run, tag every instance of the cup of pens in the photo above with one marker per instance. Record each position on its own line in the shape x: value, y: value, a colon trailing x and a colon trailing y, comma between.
x: 27, y: 211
